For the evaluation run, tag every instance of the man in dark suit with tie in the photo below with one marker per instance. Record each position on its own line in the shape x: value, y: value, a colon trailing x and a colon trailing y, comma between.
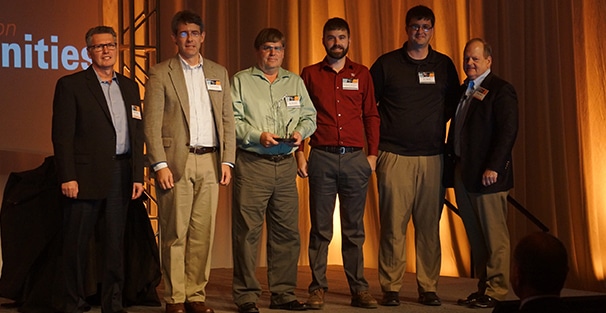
x: 98, y: 144
x: 480, y: 142
x: 191, y: 141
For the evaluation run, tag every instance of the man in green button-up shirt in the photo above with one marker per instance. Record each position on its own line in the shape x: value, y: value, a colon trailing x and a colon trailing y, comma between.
x: 273, y: 115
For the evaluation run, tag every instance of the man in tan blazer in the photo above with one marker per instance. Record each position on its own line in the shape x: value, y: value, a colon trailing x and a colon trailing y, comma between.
x: 190, y: 137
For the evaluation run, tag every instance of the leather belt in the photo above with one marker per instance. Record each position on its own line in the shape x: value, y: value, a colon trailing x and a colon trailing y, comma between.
x: 202, y: 150
x: 119, y: 157
x: 270, y: 157
x: 337, y: 149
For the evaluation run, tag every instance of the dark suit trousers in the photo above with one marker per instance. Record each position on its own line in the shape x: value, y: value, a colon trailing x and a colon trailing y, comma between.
x: 346, y: 175
x: 80, y: 218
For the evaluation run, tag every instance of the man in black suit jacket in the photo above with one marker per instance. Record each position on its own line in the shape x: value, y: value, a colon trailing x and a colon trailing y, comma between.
x: 539, y: 269
x: 98, y: 143
x: 480, y: 141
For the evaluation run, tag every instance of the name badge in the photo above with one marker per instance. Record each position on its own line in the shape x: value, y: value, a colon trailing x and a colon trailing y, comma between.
x: 350, y: 84
x: 427, y: 78
x: 480, y: 93
x: 292, y: 101
x: 213, y: 84
x: 136, y: 111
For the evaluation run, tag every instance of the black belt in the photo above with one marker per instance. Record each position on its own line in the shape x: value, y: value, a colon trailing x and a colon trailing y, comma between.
x: 337, y: 149
x: 123, y: 156
x: 270, y: 157
x: 202, y: 150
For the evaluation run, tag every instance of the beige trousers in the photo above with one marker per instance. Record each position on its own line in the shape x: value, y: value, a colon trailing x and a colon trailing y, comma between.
x: 409, y: 185
x: 187, y: 227
x: 485, y: 220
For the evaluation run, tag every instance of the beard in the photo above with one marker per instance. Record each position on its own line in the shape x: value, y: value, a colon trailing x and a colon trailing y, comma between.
x: 337, y: 55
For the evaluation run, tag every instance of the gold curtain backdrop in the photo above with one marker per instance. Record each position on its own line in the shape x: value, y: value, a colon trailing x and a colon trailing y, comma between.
x: 552, y: 51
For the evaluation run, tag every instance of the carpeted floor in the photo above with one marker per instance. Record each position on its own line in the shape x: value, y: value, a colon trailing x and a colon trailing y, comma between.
x: 337, y: 299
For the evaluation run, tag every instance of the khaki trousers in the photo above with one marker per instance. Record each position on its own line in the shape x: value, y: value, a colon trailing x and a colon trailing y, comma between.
x: 485, y: 220
x: 409, y: 185
x: 187, y: 227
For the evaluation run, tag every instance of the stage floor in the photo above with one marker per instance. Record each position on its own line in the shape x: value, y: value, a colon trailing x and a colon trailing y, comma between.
x: 338, y: 297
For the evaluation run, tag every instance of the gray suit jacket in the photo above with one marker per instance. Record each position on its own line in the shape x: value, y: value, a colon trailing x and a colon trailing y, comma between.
x: 166, y: 115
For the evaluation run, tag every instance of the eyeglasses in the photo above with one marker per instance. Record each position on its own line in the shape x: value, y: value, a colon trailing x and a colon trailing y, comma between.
x: 425, y: 27
x: 97, y: 48
x: 193, y: 33
x: 269, y: 48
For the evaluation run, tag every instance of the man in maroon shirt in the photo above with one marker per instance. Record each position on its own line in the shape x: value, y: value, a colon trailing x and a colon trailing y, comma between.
x: 343, y: 95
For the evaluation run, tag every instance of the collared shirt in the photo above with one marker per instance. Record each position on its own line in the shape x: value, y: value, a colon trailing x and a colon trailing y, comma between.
x: 478, y: 81
x: 117, y: 110
x: 201, y: 121
x: 281, y: 108
x: 202, y: 124
x: 416, y: 98
x: 345, y: 103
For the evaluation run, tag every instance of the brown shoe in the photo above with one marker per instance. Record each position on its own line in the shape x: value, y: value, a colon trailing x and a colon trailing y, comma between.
x: 197, y: 307
x: 363, y: 299
x: 175, y: 308
x: 316, y: 299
